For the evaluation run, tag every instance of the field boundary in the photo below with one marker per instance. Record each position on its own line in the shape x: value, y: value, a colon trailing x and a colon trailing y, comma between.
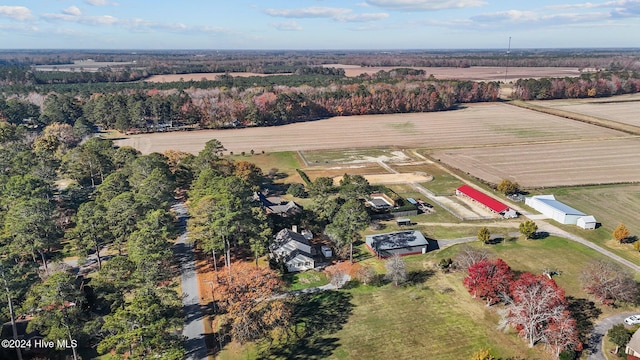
x: 588, y: 119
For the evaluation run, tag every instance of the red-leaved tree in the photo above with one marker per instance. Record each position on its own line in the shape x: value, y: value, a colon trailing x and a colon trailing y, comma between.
x: 489, y: 280
x: 536, y: 303
x: 562, y: 334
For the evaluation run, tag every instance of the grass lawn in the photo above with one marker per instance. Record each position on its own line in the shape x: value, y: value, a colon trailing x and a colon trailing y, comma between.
x: 436, y: 319
x: 286, y: 163
x: 305, y: 280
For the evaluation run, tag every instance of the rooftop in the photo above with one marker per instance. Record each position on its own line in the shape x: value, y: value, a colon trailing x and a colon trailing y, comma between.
x: 552, y: 202
x: 483, y: 198
x: 400, y: 242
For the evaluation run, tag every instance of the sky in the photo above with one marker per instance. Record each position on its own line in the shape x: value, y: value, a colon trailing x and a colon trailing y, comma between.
x: 318, y: 24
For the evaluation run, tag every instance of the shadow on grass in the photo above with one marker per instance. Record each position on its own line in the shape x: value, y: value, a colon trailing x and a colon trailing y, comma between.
x: 315, y: 316
x: 418, y: 277
x: 585, y: 312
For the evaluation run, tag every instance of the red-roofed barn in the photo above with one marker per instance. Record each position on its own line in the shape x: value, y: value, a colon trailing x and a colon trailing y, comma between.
x: 486, y: 201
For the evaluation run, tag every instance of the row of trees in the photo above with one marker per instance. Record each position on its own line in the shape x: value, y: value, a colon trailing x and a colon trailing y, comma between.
x: 601, y: 84
x: 225, y: 104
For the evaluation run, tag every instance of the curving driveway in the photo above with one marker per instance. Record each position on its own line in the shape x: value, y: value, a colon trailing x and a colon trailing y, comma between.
x: 599, y: 330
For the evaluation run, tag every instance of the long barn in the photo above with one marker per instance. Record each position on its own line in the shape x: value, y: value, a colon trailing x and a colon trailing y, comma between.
x: 486, y: 201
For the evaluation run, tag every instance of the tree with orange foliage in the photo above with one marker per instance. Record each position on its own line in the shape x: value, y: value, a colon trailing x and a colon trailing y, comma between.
x: 247, y: 297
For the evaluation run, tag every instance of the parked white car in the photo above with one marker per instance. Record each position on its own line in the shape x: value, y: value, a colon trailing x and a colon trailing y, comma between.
x: 632, y: 320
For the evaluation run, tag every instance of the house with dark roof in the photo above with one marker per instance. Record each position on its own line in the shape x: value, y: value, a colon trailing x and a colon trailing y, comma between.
x: 294, y: 249
x: 486, y: 201
x: 400, y: 243
x: 278, y: 207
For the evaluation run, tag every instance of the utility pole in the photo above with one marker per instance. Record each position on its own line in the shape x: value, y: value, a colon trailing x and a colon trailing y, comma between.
x: 506, y: 70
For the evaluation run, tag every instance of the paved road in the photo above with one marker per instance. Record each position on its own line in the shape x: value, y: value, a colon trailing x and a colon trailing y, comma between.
x: 196, y: 349
x: 597, y: 335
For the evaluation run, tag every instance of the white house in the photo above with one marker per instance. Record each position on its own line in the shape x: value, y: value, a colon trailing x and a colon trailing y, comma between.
x: 294, y: 249
x: 554, y: 209
x: 587, y: 222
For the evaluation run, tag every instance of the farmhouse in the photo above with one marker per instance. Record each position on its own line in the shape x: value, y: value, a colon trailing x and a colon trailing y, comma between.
x: 486, y: 201
x: 397, y: 243
x: 294, y: 250
x: 554, y: 209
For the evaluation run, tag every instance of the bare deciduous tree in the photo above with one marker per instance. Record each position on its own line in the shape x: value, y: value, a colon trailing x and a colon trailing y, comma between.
x: 608, y: 282
x: 396, y: 270
x: 468, y: 256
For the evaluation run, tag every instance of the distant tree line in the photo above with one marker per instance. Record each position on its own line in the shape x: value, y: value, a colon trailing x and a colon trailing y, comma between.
x: 232, y: 101
x: 601, y: 84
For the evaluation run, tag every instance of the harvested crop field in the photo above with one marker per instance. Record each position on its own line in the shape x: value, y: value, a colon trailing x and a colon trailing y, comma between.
x: 477, y: 73
x: 622, y: 108
x: 597, y: 161
x: 473, y: 126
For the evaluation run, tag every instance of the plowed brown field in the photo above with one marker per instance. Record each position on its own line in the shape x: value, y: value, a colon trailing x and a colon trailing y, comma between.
x: 475, y: 125
x: 554, y: 164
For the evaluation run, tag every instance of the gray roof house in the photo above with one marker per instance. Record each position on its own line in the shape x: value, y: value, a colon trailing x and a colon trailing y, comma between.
x: 294, y: 249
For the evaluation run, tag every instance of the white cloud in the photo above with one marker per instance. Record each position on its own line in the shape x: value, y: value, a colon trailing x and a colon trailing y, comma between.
x: 362, y: 17
x: 19, y: 13
x: 527, y: 18
x: 337, y: 14
x: 72, y: 10
x: 88, y: 20
x: 310, y: 12
x: 287, y: 26
x: 422, y: 5
x: 100, y: 2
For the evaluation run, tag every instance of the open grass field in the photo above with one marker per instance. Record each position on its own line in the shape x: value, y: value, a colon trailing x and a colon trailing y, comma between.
x: 623, y: 108
x: 472, y: 126
x: 596, y: 161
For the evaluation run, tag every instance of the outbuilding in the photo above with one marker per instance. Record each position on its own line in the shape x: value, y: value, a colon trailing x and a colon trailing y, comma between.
x: 587, y: 222
x: 554, y: 209
x: 486, y: 201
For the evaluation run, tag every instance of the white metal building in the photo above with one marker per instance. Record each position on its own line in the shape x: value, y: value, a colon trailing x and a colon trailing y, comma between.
x: 554, y: 209
x: 587, y: 222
